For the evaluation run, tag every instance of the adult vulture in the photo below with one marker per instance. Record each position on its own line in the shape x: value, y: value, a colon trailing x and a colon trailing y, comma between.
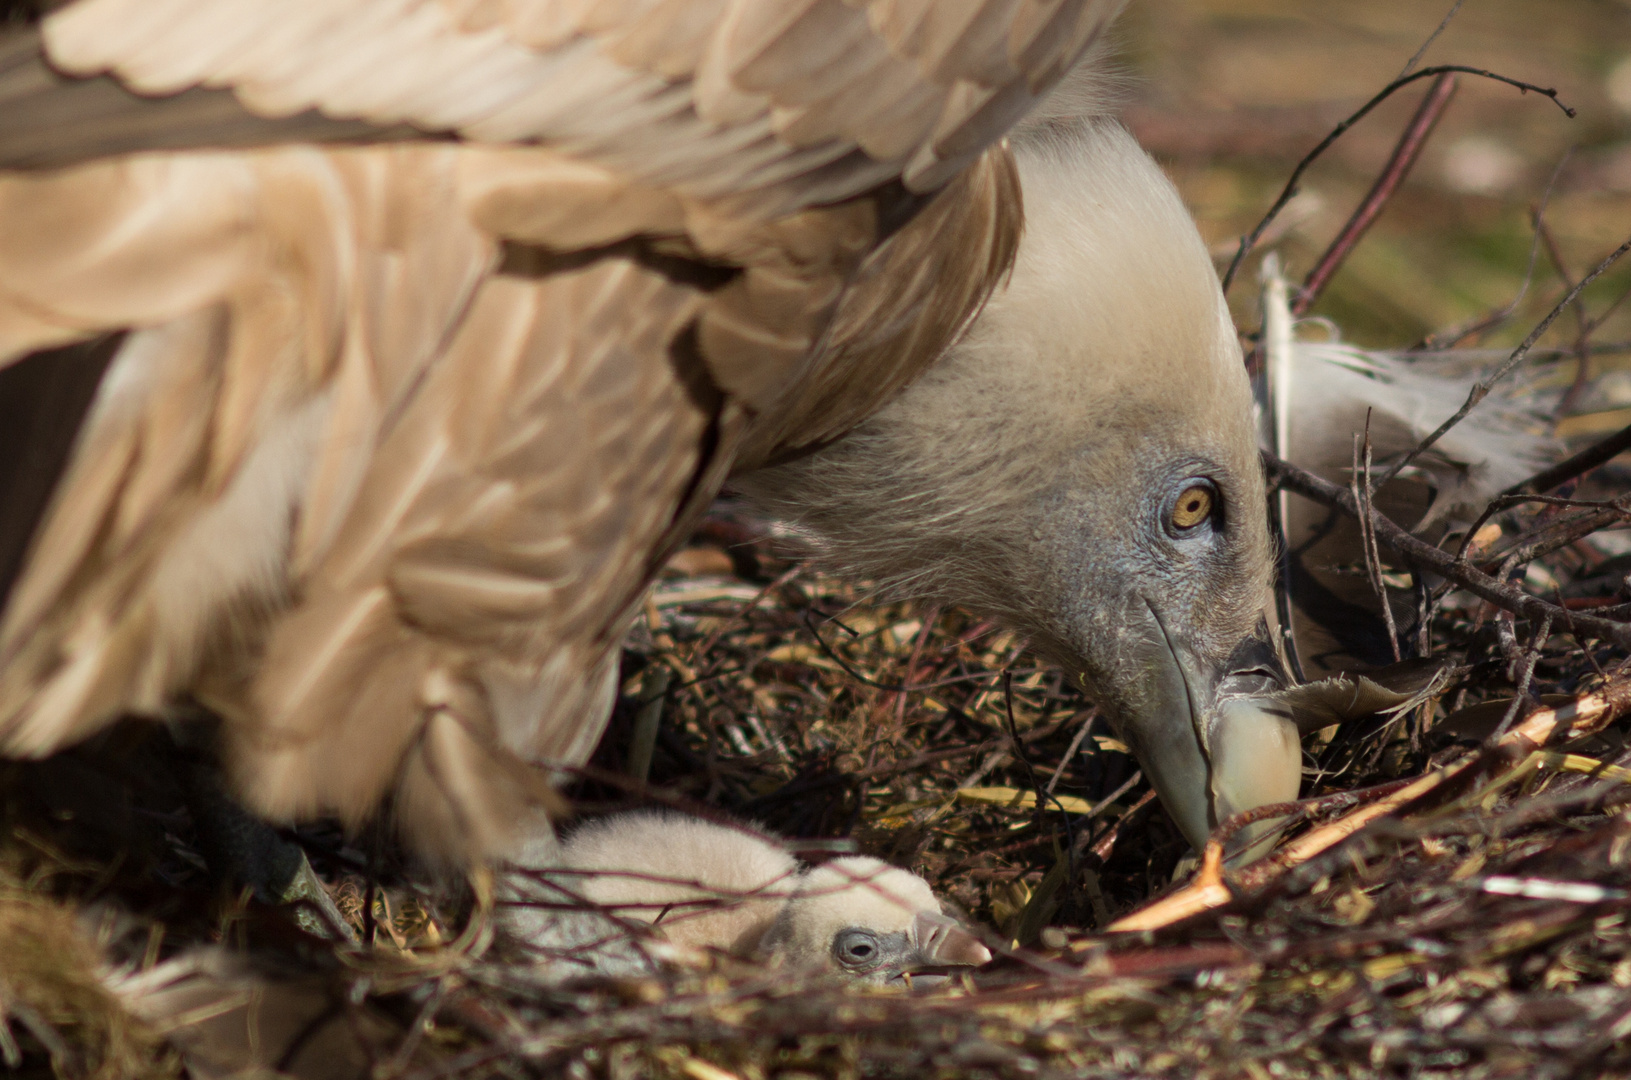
x: 368, y: 356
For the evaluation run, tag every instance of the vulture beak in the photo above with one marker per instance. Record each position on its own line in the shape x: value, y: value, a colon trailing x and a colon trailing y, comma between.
x: 932, y: 944
x: 939, y: 941
x: 1212, y: 738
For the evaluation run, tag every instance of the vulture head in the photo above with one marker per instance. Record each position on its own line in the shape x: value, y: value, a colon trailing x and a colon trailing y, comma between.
x: 871, y: 922
x: 1083, y: 463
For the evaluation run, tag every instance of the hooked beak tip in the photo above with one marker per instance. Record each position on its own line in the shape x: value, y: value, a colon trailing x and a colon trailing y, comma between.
x: 941, y: 942
x: 1210, y: 738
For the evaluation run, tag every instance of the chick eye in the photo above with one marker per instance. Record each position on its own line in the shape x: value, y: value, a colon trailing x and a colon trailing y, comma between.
x: 855, y: 948
x: 1194, y: 505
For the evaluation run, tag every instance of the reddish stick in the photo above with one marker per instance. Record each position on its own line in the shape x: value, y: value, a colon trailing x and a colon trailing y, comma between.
x: 1398, y: 167
x: 1585, y: 715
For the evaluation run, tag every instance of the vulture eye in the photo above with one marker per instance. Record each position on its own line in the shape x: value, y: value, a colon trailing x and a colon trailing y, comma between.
x: 1194, y: 506
x: 855, y: 948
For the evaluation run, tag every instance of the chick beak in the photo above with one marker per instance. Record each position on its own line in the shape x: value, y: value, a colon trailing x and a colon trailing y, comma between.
x: 933, y: 945
x: 1209, y: 737
x: 940, y: 942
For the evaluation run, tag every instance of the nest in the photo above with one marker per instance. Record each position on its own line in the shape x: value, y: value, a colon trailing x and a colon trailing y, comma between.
x: 1481, y: 931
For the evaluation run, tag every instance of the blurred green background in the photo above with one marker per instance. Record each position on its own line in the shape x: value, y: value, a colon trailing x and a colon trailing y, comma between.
x: 1229, y: 94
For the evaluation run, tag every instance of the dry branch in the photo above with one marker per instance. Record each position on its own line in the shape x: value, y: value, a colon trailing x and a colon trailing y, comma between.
x: 1393, y: 174
x: 1248, y: 241
x: 1598, y: 453
x: 1427, y: 557
x: 1585, y: 715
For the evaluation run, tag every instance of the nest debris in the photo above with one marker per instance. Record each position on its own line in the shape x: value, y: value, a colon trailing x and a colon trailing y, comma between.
x: 1484, y: 936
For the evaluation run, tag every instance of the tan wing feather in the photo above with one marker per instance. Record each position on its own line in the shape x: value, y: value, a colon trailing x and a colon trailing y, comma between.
x: 211, y: 428
x: 561, y: 444
x: 687, y: 94
x: 907, y: 304
x: 130, y: 242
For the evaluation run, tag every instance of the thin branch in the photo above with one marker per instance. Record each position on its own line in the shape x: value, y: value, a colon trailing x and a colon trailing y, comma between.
x: 1480, y: 390
x: 1393, y: 174
x: 1506, y: 501
x: 1434, y: 36
x: 1598, y: 453
x: 1585, y: 715
x: 1526, y: 676
x: 1367, y: 537
x: 1560, y: 533
x: 1428, y: 557
x: 1290, y: 190
x: 1070, y: 751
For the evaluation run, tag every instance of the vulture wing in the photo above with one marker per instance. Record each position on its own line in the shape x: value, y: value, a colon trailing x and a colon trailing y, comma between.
x: 395, y: 434
x: 803, y: 100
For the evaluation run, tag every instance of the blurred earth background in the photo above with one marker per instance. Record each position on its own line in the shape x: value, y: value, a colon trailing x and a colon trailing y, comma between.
x: 1229, y: 94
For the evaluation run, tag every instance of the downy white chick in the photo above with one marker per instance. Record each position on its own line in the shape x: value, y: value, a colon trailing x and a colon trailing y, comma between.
x: 623, y: 894
x: 868, y: 920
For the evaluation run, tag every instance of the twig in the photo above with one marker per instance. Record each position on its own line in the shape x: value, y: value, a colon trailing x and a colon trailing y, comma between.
x: 1560, y: 534
x: 929, y: 618
x: 1104, y: 844
x: 1099, y: 807
x: 1480, y: 390
x: 1290, y: 190
x: 1506, y: 636
x: 1522, y: 696
x: 1302, y: 808
x: 1598, y: 453
x: 1367, y: 536
x: 1428, y: 557
x: 1070, y: 751
x: 1507, y: 501
x: 1585, y: 715
x: 1393, y: 174
x: 1434, y: 36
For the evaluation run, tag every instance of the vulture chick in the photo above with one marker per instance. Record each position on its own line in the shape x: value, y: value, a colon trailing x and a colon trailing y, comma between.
x: 623, y: 892
x: 373, y: 359
x: 872, y: 922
